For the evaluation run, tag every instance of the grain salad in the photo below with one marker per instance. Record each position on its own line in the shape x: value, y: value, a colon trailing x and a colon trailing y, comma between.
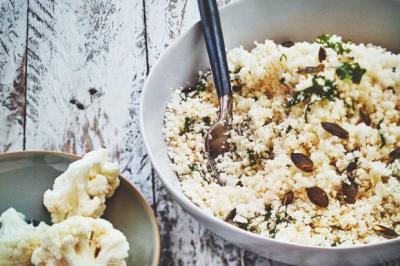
x: 315, y: 139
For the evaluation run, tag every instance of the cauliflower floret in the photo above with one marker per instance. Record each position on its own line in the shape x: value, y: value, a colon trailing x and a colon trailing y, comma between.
x: 18, y: 239
x: 83, y: 188
x: 80, y: 241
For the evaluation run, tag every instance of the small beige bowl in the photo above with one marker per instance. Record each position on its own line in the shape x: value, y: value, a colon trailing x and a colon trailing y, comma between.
x: 25, y: 176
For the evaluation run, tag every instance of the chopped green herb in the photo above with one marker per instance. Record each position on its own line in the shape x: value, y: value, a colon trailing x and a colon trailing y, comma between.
x: 198, y: 87
x: 268, y: 212
x: 326, y: 41
x: 254, y: 158
x: 351, y: 71
x: 187, y: 126
x: 281, y: 219
x: 239, y: 183
x: 195, y: 168
x: 272, y: 232
x: 350, y: 105
x: 323, y: 88
x: 283, y: 56
x: 282, y: 80
x: 207, y: 120
x: 237, y: 70
x: 288, y: 129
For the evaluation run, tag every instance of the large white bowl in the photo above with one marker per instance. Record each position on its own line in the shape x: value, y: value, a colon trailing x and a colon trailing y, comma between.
x: 375, y: 21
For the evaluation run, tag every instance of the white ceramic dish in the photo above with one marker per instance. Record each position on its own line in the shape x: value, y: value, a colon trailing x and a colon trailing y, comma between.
x: 375, y: 21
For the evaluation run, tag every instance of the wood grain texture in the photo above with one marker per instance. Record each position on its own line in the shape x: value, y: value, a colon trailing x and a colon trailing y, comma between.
x: 185, y: 241
x: 86, y: 67
x: 13, y: 21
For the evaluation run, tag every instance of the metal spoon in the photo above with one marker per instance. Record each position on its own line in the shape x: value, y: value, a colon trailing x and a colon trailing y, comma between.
x: 216, y: 137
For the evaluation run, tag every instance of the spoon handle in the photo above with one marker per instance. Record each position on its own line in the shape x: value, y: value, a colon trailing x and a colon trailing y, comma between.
x: 215, y: 46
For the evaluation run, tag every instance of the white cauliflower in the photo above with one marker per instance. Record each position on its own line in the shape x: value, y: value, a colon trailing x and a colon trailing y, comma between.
x: 83, y: 188
x: 82, y: 241
x: 18, y: 239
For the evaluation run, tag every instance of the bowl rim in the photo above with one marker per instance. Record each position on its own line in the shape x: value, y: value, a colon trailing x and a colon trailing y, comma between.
x: 130, y: 186
x: 185, y: 202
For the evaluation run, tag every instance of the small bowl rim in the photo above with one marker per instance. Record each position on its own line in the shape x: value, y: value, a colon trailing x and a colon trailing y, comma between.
x: 185, y: 201
x: 130, y: 186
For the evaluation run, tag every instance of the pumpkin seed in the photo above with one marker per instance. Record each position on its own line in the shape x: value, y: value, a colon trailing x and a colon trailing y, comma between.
x: 287, y: 44
x: 302, y: 162
x: 395, y: 154
x: 321, y: 54
x: 288, y: 199
x: 311, y: 69
x: 365, y: 116
x: 384, y: 179
x: 317, y: 196
x: 384, y: 231
x: 350, y: 192
x: 230, y: 215
x: 335, y: 129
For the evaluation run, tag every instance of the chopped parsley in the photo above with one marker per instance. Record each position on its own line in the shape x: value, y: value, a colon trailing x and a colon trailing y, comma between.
x: 195, y: 168
x: 239, y: 183
x: 187, y: 126
x: 283, y: 56
x: 254, y: 158
x: 326, y: 41
x: 335, y: 244
x: 268, y: 212
x: 199, y: 86
x: 207, y: 120
x: 283, y: 218
x: 322, y: 88
x: 351, y: 71
x: 279, y: 218
x: 288, y: 129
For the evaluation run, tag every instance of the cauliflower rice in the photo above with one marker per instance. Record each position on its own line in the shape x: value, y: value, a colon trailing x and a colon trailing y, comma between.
x: 316, y: 137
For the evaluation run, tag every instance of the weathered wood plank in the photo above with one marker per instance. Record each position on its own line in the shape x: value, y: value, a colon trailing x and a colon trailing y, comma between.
x: 185, y: 241
x: 13, y: 23
x: 86, y: 67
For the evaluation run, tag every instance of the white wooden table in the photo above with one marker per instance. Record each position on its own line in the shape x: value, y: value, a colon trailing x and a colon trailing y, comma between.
x: 71, y: 75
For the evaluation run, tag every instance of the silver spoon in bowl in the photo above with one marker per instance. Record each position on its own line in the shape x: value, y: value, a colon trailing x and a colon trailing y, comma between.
x: 218, y: 134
